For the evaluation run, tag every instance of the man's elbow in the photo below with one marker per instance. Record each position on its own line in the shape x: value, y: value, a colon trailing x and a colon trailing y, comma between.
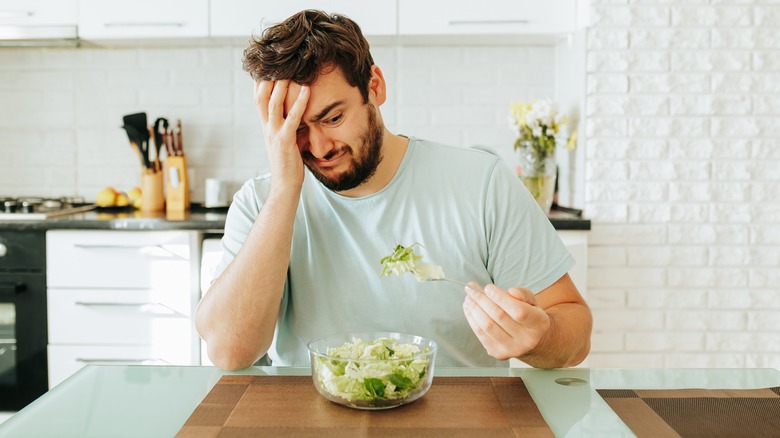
x: 231, y: 360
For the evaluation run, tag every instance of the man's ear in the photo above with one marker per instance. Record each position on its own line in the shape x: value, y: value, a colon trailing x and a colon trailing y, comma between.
x: 377, y: 88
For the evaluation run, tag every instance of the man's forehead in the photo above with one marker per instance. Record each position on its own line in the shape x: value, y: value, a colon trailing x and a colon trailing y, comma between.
x: 323, y: 93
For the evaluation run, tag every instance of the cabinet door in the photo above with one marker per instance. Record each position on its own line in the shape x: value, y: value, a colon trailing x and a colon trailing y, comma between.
x: 243, y: 17
x: 120, y: 259
x: 38, y: 12
x: 113, y: 19
x: 486, y: 17
x: 125, y: 317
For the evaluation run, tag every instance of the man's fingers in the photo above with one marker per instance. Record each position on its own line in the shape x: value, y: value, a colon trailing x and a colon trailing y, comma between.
x: 299, y: 107
x: 276, y: 102
x: 262, y: 95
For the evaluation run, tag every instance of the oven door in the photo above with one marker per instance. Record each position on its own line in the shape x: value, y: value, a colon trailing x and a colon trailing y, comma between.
x: 23, y: 335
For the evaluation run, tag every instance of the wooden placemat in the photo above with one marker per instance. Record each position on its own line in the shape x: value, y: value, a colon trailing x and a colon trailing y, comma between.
x: 706, y: 413
x: 244, y: 406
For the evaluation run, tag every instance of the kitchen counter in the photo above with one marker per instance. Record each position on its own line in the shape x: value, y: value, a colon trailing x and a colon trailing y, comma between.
x: 155, y: 401
x: 197, y: 218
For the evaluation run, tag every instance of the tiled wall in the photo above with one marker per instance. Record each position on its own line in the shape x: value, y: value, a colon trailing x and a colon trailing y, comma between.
x: 683, y: 182
x: 61, y: 109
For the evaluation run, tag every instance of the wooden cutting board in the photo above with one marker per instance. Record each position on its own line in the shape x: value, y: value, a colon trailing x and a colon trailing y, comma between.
x: 249, y: 406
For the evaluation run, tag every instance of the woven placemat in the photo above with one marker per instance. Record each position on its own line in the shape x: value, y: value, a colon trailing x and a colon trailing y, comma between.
x: 244, y: 406
x: 706, y: 413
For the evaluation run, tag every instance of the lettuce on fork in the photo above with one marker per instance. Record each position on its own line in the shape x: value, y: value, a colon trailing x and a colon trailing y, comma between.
x: 403, y: 259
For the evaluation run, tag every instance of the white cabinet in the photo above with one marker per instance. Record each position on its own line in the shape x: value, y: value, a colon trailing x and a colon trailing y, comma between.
x: 121, y: 297
x: 38, y: 12
x: 114, y: 19
x: 243, y: 17
x: 486, y: 17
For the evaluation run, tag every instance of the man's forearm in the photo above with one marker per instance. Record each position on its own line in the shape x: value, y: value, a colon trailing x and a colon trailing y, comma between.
x: 567, y: 342
x: 237, y: 316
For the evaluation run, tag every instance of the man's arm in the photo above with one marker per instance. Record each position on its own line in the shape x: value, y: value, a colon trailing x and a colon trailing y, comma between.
x: 548, y: 330
x: 237, y: 316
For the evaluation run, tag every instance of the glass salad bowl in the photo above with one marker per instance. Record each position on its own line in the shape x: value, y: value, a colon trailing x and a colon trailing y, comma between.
x: 372, y: 370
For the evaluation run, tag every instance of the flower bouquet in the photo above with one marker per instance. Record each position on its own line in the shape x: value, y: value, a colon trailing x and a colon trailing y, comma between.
x: 539, y: 126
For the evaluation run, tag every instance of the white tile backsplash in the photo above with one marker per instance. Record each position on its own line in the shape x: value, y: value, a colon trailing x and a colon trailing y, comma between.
x: 61, y: 109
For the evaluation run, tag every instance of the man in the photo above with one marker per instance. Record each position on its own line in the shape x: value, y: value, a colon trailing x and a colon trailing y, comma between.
x: 302, y: 245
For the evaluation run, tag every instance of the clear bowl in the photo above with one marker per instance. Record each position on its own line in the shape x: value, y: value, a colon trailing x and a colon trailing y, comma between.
x: 357, y: 381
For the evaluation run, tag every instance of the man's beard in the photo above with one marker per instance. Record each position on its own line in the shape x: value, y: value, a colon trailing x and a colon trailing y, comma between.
x: 363, y: 166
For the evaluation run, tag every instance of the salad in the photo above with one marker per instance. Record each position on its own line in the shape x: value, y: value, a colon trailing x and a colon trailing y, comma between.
x: 383, y: 369
x: 403, y: 259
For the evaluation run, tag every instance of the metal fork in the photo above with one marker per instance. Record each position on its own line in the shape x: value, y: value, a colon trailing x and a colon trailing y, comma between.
x: 476, y: 289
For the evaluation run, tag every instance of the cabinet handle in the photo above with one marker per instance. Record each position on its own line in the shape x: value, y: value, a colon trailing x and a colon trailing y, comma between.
x: 481, y: 22
x: 126, y: 247
x: 118, y: 361
x: 16, y: 14
x: 128, y: 24
x: 143, y: 307
x: 12, y: 288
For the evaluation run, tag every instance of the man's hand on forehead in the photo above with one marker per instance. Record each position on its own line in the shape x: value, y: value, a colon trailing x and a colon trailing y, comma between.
x: 293, y: 90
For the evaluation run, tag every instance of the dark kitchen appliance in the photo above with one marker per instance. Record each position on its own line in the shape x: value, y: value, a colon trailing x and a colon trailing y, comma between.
x: 23, y: 333
x: 39, y: 208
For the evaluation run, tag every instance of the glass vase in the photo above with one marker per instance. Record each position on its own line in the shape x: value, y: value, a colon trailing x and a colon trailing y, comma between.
x: 537, y: 170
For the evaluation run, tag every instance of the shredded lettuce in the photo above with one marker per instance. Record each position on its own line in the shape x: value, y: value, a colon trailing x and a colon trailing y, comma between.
x: 403, y: 259
x: 361, y: 370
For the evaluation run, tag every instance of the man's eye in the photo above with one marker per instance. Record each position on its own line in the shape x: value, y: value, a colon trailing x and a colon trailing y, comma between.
x: 334, y: 120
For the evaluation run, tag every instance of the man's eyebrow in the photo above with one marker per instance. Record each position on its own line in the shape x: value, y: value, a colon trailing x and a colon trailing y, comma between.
x: 321, y: 115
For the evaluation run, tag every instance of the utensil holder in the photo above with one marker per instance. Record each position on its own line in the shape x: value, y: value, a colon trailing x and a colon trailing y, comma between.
x: 176, y: 184
x: 153, y: 198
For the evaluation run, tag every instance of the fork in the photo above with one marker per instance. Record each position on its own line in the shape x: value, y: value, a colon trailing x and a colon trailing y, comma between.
x: 476, y: 289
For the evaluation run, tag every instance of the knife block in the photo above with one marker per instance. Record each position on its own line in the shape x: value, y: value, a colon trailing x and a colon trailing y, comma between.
x: 177, y: 188
x: 152, y: 198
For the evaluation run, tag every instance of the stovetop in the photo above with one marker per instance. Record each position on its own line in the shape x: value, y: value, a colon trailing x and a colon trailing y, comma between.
x: 38, y: 208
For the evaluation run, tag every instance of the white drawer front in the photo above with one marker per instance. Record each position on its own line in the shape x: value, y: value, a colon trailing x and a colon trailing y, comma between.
x: 66, y: 360
x: 118, y: 317
x: 119, y: 259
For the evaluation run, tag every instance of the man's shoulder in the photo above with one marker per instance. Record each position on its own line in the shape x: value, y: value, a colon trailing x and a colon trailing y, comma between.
x: 448, y: 154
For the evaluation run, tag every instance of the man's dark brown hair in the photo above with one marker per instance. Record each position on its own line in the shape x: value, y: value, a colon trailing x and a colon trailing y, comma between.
x: 308, y: 43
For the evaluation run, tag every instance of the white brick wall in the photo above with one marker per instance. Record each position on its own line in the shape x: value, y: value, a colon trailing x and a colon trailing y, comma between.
x: 61, y: 109
x: 683, y: 186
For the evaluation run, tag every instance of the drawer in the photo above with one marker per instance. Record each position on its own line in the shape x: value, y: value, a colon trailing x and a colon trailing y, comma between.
x: 64, y: 360
x: 121, y: 259
x: 119, y: 317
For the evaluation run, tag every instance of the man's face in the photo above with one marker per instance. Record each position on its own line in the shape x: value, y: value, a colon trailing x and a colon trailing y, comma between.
x: 340, y: 136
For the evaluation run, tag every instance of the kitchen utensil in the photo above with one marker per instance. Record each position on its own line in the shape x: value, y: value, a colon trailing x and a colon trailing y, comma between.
x: 138, y: 122
x: 179, y: 144
x: 476, y: 289
x: 136, y: 141
x: 160, y: 125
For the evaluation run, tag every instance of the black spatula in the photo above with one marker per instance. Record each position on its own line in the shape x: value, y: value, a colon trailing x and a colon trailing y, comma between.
x: 138, y: 122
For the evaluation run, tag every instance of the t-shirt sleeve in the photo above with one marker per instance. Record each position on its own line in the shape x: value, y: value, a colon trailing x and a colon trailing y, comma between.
x: 524, y: 248
x: 240, y: 217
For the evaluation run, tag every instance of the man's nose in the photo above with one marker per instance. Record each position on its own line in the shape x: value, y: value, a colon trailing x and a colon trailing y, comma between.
x: 319, y: 143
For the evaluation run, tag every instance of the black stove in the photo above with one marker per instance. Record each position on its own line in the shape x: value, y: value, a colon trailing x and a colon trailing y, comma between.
x: 38, y: 208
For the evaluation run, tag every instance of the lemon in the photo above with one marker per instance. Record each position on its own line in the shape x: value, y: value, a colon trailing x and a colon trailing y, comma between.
x: 106, y: 197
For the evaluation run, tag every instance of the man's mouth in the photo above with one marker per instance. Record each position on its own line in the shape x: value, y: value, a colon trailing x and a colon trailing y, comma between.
x: 331, y: 159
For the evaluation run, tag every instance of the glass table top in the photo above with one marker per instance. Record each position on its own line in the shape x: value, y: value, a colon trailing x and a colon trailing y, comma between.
x: 155, y: 401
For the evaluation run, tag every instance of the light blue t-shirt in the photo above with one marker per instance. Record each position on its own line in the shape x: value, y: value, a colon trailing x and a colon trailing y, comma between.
x: 467, y: 210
